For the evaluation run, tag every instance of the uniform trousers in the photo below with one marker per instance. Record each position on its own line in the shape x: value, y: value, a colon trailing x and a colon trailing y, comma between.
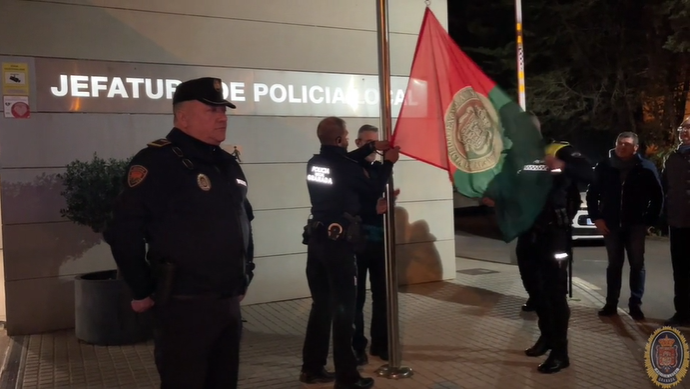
x: 197, y: 342
x: 372, y: 259
x: 528, y: 265
x: 551, y: 283
x: 332, y: 279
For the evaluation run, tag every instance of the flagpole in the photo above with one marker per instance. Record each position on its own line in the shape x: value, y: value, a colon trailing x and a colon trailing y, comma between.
x: 393, y: 369
x: 520, y: 56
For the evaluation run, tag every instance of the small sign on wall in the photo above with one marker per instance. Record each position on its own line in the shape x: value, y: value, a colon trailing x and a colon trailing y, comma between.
x: 235, y: 150
x: 16, y: 107
x: 15, y: 79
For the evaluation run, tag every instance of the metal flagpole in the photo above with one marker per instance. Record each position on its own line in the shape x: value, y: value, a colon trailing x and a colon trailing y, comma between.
x: 520, y: 56
x: 393, y: 369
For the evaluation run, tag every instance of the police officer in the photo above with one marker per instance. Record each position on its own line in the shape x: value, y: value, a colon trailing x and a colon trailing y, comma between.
x: 336, y: 181
x: 181, y: 236
x: 548, y: 243
x: 371, y: 259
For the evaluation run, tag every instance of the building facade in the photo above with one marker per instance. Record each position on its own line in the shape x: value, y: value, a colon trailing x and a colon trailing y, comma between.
x: 96, y: 76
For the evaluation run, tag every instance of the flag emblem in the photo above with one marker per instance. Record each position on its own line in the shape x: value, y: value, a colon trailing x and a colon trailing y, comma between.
x: 473, y: 132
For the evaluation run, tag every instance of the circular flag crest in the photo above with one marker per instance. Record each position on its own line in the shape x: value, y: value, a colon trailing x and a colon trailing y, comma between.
x: 473, y: 132
x: 666, y: 357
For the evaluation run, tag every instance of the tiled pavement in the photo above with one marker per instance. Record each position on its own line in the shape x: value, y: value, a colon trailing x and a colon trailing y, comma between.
x: 468, y: 333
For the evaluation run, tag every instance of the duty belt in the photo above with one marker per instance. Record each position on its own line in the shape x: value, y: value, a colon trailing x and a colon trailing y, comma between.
x: 335, y: 230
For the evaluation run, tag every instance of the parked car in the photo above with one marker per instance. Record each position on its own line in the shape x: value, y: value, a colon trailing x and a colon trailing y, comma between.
x: 583, y: 227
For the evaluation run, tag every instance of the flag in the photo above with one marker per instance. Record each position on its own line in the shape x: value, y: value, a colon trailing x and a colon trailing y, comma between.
x: 456, y: 118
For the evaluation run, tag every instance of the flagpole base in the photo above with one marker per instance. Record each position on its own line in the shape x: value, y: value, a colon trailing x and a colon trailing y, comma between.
x: 394, y: 373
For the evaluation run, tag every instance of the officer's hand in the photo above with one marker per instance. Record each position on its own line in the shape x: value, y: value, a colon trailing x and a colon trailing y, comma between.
x: 392, y: 155
x: 488, y: 202
x: 382, y: 145
x: 381, y: 206
x: 553, y: 163
x: 141, y: 306
x: 396, y: 193
x: 601, y: 226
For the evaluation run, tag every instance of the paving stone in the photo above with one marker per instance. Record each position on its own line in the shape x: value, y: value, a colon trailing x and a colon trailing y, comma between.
x: 465, y: 333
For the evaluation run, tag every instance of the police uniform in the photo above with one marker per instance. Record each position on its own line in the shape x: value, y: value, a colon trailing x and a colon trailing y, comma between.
x: 335, y: 181
x: 371, y: 259
x: 181, y: 234
x: 548, y: 243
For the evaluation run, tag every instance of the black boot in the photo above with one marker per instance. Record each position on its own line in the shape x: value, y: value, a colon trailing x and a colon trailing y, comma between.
x: 557, y: 360
x: 677, y: 321
x: 608, y: 310
x: 320, y: 377
x: 362, y: 383
x: 540, y: 348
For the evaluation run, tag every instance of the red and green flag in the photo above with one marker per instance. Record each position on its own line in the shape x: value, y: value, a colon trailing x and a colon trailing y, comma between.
x: 456, y: 118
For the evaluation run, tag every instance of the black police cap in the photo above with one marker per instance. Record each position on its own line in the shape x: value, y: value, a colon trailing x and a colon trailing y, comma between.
x: 208, y: 90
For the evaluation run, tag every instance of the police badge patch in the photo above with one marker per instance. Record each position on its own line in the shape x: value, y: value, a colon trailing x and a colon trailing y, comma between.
x: 203, y: 182
x: 666, y: 357
x: 136, y: 175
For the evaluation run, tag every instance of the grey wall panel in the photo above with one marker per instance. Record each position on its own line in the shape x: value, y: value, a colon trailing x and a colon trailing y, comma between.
x: 43, y: 250
x: 47, y: 304
x: 405, y: 16
x: 39, y: 305
x: 54, y: 140
x: 31, y: 195
x: 425, y: 261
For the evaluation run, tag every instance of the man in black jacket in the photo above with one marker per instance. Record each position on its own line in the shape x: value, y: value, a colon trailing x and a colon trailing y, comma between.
x: 623, y: 201
x: 371, y: 259
x: 675, y: 179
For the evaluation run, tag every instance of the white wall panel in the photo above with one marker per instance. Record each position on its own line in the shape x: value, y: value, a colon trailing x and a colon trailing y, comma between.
x: 43, y: 253
x: 405, y: 16
x: 283, y: 277
x: 115, y: 34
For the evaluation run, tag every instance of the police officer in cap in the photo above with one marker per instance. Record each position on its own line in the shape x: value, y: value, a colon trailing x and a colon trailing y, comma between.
x: 181, y: 237
x: 336, y: 181
x: 549, y: 245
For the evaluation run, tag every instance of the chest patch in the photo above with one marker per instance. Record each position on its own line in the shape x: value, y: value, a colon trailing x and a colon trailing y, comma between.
x: 241, y: 182
x: 204, y: 182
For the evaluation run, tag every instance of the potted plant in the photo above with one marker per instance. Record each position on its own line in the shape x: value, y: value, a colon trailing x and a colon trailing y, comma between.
x: 103, y: 315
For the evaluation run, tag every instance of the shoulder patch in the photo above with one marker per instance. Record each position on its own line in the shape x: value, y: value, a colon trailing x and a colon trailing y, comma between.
x: 136, y: 175
x: 159, y: 143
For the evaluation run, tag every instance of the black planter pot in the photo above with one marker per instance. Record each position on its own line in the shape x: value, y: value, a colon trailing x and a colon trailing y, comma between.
x: 103, y: 315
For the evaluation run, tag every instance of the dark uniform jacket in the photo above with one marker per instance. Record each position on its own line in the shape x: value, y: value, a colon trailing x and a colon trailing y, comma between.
x: 676, y: 184
x: 184, y: 202
x: 336, y: 182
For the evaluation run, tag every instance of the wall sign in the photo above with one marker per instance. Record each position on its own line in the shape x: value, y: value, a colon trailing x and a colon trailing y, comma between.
x: 119, y: 87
